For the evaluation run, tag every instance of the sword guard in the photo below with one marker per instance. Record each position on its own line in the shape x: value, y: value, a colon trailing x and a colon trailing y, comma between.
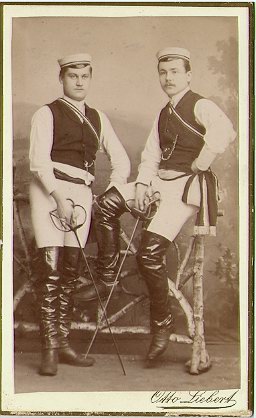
x: 137, y: 213
x: 67, y: 226
x: 148, y: 212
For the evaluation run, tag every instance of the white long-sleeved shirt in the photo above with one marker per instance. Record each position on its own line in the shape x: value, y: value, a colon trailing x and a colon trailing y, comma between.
x: 41, y: 142
x: 219, y: 134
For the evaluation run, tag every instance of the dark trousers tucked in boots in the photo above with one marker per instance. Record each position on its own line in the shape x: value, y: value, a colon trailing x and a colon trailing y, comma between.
x: 108, y: 208
x: 55, y: 300
x: 151, y: 265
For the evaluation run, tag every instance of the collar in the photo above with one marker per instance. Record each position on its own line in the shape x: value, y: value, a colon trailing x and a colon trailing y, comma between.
x: 177, y: 97
x: 79, y: 105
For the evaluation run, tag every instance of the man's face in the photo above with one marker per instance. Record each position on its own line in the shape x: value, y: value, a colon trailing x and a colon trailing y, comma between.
x: 76, y: 82
x: 173, y: 76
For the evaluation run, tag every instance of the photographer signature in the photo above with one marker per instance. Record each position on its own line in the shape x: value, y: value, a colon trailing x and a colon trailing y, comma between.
x: 200, y: 399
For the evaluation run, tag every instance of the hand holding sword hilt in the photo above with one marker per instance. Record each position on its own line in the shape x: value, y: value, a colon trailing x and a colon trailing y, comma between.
x: 62, y: 224
x: 149, y: 210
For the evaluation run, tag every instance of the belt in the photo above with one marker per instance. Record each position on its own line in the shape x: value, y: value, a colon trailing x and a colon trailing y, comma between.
x: 177, y: 177
x: 63, y: 176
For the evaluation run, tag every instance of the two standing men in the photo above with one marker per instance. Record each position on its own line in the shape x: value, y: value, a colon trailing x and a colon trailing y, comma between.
x: 187, y: 135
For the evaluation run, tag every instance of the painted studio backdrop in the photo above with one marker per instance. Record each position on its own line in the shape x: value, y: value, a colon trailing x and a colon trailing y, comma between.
x: 125, y: 86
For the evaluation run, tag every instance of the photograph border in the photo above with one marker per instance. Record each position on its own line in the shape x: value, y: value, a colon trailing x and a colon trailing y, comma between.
x: 251, y: 184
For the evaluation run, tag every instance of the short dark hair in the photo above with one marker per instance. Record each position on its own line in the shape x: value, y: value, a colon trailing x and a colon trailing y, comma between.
x: 63, y: 70
x: 185, y: 62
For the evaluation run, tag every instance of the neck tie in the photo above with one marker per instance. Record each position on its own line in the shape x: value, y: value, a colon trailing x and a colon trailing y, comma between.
x: 171, y: 107
x: 171, y: 103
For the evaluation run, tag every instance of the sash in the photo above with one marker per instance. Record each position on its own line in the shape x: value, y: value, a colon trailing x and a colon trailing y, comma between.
x: 208, y: 211
x: 184, y: 123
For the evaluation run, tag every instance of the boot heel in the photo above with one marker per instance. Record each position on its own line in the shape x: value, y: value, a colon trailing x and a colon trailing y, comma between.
x: 49, y: 362
x: 160, y: 341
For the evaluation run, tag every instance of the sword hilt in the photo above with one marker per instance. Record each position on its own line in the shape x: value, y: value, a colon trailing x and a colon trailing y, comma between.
x: 146, y: 213
x: 63, y: 224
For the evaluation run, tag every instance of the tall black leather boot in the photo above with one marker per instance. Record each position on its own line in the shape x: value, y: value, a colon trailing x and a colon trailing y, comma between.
x: 108, y: 209
x: 67, y: 285
x: 48, y: 291
x: 151, y: 265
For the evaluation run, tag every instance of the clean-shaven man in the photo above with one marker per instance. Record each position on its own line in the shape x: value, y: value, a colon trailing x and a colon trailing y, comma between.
x: 65, y: 137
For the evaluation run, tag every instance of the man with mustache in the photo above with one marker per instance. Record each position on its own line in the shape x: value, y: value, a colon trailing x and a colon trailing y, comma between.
x: 65, y: 137
x: 186, y: 137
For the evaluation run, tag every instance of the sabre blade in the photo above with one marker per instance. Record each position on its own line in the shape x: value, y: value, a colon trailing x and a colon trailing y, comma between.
x: 114, y: 283
x: 101, y: 305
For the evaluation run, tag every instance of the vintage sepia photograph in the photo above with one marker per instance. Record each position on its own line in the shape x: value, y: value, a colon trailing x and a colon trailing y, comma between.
x: 126, y: 281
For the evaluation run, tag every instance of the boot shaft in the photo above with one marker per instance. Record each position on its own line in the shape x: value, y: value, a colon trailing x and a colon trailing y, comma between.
x: 68, y: 280
x: 47, y: 288
x: 108, y: 209
x: 151, y: 264
x: 55, y: 288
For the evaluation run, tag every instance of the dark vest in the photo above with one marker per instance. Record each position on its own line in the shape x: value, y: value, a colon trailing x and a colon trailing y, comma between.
x: 74, y: 142
x: 170, y: 128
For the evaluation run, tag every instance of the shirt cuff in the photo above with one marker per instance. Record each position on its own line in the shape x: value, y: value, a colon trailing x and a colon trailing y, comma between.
x: 139, y: 182
x: 144, y: 178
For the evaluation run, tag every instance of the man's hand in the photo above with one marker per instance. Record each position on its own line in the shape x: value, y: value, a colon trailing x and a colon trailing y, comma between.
x: 64, y: 207
x: 140, y: 196
x: 74, y: 216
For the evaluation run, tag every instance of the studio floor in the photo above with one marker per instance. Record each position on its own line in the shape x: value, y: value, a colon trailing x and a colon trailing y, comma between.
x: 107, y: 374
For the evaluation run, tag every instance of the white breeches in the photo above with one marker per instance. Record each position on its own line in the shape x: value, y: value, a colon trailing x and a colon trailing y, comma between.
x: 41, y: 203
x: 172, y: 212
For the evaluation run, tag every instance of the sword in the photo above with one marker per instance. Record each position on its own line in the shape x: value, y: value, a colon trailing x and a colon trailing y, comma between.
x: 139, y: 215
x: 70, y: 226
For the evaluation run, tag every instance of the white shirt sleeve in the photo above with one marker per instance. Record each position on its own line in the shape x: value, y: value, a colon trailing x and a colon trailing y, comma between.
x: 111, y: 145
x: 150, y: 157
x: 219, y: 131
x: 41, y: 141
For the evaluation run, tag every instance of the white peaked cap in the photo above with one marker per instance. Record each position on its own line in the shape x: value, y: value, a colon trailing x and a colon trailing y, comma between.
x: 75, y: 59
x: 173, y: 52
